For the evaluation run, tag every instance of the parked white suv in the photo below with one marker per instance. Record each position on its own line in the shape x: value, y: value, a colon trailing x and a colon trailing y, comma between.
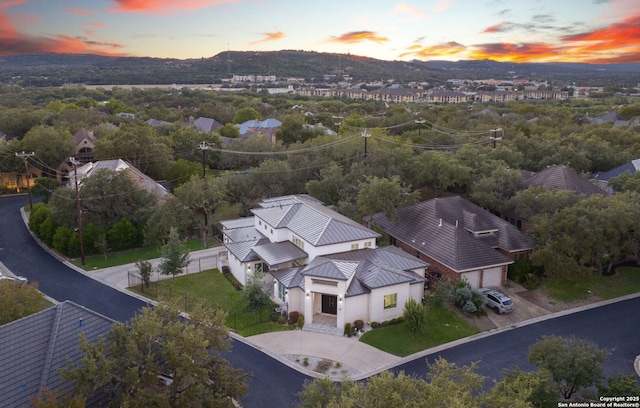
x: 497, y: 301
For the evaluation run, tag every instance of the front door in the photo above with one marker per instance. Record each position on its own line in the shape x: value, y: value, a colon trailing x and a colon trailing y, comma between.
x: 330, y: 304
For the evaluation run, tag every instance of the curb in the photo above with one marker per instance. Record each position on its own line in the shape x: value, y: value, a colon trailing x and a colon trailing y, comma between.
x: 636, y: 364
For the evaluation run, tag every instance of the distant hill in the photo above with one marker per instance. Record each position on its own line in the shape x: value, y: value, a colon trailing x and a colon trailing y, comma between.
x: 58, y: 69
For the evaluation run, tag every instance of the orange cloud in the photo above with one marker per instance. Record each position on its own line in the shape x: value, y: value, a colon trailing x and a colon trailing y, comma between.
x: 414, y: 12
x: 162, y: 5
x: 439, y: 50
x: 498, y: 28
x: 269, y: 37
x: 619, y: 42
x: 359, y: 36
x: 527, y: 52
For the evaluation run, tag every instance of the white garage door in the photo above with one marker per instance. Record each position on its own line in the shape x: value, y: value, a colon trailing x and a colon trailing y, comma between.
x: 492, y: 277
x: 473, y: 278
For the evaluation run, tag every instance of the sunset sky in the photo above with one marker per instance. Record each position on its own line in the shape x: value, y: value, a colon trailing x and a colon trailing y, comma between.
x: 595, y: 31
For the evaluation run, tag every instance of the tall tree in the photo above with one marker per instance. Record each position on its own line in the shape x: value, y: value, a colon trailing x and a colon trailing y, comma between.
x: 175, y: 255
x: 18, y: 300
x: 159, y: 358
x: 383, y: 195
x: 245, y: 114
x: 51, y: 146
x: 140, y: 145
x: 573, y: 363
x: 203, y: 196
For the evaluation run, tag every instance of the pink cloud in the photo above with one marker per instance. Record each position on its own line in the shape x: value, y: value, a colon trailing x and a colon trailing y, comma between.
x: 80, y: 12
x: 415, y: 13
x: 163, y: 5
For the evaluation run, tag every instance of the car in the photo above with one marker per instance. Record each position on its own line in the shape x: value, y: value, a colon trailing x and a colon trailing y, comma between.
x: 18, y: 279
x: 497, y: 301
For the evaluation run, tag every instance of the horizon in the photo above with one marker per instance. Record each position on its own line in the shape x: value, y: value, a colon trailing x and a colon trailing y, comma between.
x: 517, y: 31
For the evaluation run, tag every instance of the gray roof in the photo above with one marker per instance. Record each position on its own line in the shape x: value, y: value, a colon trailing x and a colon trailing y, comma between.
x: 276, y: 253
x: 238, y: 223
x: 34, y: 347
x: 562, y: 178
x: 314, y: 222
x: 243, y: 234
x: 207, y: 124
x: 369, y: 268
x: 244, y: 250
x: 138, y: 177
x: 631, y: 166
x: 442, y: 228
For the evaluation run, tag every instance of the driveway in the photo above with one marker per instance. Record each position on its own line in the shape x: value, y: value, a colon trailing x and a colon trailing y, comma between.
x: 524, y: 309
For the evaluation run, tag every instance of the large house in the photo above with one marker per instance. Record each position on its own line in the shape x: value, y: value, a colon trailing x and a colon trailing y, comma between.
x: 601, y: 178
x: 322, y: 263
x: 457, y: 239
x: 138, y: 177
x: 36, y: 346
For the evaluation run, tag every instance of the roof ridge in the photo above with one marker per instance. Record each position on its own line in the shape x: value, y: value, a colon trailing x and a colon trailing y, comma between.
x: 44, y: 378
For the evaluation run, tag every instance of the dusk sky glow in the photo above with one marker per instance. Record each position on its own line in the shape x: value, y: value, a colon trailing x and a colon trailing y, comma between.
x: 593, y: 31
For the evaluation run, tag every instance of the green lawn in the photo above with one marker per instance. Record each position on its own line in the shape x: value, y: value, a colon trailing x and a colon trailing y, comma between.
x: 214, y: 291
x: 134, y: 255
x: 443, y: 326
x: 625, y: 281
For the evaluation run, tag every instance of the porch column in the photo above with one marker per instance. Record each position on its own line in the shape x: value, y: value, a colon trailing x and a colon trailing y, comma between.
x: 308, y: 306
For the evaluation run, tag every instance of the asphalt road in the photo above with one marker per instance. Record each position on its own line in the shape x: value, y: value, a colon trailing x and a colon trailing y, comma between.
x: 273, y: 384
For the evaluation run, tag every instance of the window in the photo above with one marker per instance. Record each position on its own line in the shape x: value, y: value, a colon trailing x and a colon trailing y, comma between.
x: 390, y: 301
x: 259, y: 222
x: 281, y: 290
x: 298, y: 242
x: 367, y: 244
x: 354, y: 246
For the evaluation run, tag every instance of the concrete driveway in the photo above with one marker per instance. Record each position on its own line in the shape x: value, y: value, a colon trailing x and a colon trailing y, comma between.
x: 523, y: 310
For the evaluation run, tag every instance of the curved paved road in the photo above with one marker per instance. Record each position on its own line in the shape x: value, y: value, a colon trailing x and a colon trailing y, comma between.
x: 273, y: 384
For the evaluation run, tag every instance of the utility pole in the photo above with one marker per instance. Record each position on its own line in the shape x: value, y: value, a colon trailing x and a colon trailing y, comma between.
x: 493, y: 137
x: 337, y: 121
x: 420, y: 122
x: 25, y: 157
x: 78, y: 209
x: 204, y: 147
x: 366, y: 135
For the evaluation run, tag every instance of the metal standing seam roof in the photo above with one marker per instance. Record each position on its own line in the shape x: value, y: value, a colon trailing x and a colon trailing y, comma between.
x: 243, y: 234
x: 276, y: 253
x: 437, y: 228
x: 314, y: 223
x: 243, y: 250
x: 238, y: 223
x: 290, y: 277
x: 34, y: 347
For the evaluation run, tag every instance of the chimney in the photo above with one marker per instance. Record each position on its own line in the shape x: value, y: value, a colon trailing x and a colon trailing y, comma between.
x: 440, y: 224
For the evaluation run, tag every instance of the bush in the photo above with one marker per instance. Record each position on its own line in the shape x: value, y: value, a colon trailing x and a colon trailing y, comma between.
x: 375, y: 325
x: 38, y: 216
x: 232, y: 279
x: 293, y: 317
x: 300, y: 322
x: 123, y: 235
x: 465, y: 297
x: 281, y: 320
x: 47, y: 230
x: 358, y: 325
x: 385, y: 323
x: 347, y: 329
x: 524, y: 272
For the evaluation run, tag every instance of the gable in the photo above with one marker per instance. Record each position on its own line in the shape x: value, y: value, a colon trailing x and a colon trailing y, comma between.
x: 34, y: 348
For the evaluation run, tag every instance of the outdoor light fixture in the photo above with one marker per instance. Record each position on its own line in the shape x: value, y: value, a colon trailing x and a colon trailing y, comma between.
x: 339, y: 298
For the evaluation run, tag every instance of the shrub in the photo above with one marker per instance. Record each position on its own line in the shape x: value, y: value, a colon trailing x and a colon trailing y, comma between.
x: 524, y: 272
x: 123, y: 235
x: 281, y: 320
x: 47, y: 230
x: 375, y: 325
x: 232, y: 279
x: 469, y: 307
x: 347, y: 329
x: 393, y: 321
x: 300, y: 322
x: 61, y: 240
x: 416, y: 316
x: 385, y: 323
x: 358, y: 325
x: 38, y: 216
x: 465, y: 297
x: 293, y: 317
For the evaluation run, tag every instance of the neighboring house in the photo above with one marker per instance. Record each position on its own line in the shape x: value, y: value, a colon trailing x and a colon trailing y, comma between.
x: 13, y: 181
x: 255, y: 128
x: 601, y: 178
x: 206, y: 124
x: 157, y: 123
x: 457, y: 239
x: 138, y: 177
x: 36, y: 346
x: 322, y: 262
x: 85, y: 143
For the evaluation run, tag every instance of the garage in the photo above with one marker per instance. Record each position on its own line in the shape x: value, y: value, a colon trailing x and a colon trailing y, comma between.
x: 473, y: 278
x: 492, y: 277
